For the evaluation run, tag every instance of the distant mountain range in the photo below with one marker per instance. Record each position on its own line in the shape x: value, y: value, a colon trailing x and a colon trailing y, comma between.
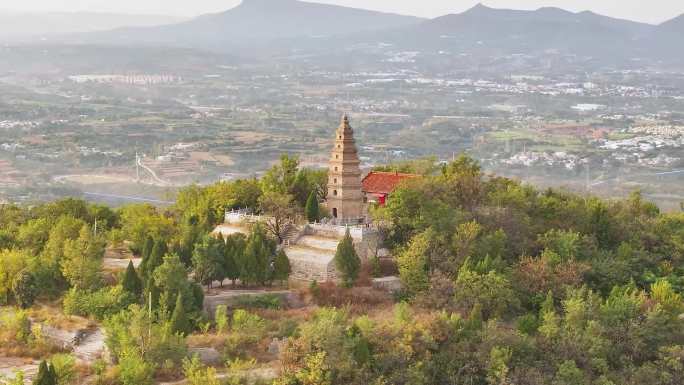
x: 499, y: 31
x: 262, y: 21
x: 26, y: 25
x: 295, y: 26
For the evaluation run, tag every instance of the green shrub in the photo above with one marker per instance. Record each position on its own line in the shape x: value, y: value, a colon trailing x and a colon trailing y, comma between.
x: 527, y: 324
x: 15, y: 326
x: 248, y: 325
x: 99, y: 304
x: 266, y: 301
x: 221, y: 318
x: 65, y: 368
x: 134, y: 370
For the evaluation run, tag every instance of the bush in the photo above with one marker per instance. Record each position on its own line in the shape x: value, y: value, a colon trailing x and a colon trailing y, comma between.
x: 221, y: 318
x: 266, y: 301
x: 133, y: 370
x: 16, y: 326
x: 492, y: 290
x: 527, y: 324
x: 197, y: 374
x: 65, y: 368
x: 25, y: 290
x: 98, y: 304
x: 249, y: 325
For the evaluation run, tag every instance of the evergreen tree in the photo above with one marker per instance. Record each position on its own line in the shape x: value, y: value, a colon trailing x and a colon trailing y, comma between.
x: 233, y: 256
x: 54, y: 378
x: 156, y: 257
x: 152, y: 292
x: 45, y: 375
x: 347, y: 261
x: 257, y: 257
x: 179, y: 320
x: 131, y: 282
x: 206, y: 260
x: 147, y: 247
x: 145, y: 255
x: 281, y: 266
x: 313, y: 212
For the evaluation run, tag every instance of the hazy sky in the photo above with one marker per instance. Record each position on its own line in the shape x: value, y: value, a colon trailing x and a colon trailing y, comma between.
x: 653, y: 11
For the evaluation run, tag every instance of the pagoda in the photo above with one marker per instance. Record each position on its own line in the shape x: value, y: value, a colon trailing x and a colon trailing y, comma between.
x: 345, y: 198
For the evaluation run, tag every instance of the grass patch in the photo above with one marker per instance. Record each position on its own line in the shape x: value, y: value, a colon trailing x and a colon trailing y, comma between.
x: 266, y: 301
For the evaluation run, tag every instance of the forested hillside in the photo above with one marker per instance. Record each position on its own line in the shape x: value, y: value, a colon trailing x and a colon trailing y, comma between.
x: 502, y: 284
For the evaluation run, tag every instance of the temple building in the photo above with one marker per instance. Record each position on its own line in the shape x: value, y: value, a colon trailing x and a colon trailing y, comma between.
x: 348, y: 194
x: 377, y: 186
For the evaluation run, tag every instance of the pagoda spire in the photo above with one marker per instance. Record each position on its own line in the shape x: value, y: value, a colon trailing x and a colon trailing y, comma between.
x: 345, y: 198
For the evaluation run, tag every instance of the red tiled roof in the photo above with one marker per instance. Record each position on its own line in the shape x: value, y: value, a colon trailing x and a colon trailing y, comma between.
x: 383, y: 182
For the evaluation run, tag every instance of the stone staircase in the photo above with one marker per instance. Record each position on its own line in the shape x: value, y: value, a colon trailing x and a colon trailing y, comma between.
x: 311, y: 258
x: 291, y: 235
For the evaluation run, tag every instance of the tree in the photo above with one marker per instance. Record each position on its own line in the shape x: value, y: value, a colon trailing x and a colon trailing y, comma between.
x: 45, y: 375
x: 281, y: 266
x: 281, y: 177
x: 47, y: 267
x: 185, y: 242
x: 179, y: 320
x: 131, y: 281
x: 195, y: 202
x: 414, y: 262
x: 25, y: 289
x: 171, y: 279
x: 232, y: 257
x: 347, y: 261
x: 491, y: 290
x: 156, y: 258
x: 312, y: 210
x: 12, y: 264
x: 141, y: 221
x: 280, y: 209
x: 309, y: 182
x: 147, y: 248
x: 259, y: 251
x: 82, y: 262
x: 34, y: 234
x: 206, y: 260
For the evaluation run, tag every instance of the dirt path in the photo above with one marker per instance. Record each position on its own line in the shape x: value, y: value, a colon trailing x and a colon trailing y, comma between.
x: 9, y: 366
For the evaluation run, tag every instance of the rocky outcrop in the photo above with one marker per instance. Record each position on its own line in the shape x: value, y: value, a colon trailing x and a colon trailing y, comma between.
x: 208, y: 356
x: 389, y: 284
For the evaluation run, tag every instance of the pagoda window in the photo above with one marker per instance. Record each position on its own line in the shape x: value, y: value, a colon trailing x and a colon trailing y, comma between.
x: 335, y: 192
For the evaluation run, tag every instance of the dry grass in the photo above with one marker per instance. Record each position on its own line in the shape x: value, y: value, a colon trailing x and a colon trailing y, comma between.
x: 358, y: 300
x: 208, y: 340
x: 51, y: 314
x: 34, y: 349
